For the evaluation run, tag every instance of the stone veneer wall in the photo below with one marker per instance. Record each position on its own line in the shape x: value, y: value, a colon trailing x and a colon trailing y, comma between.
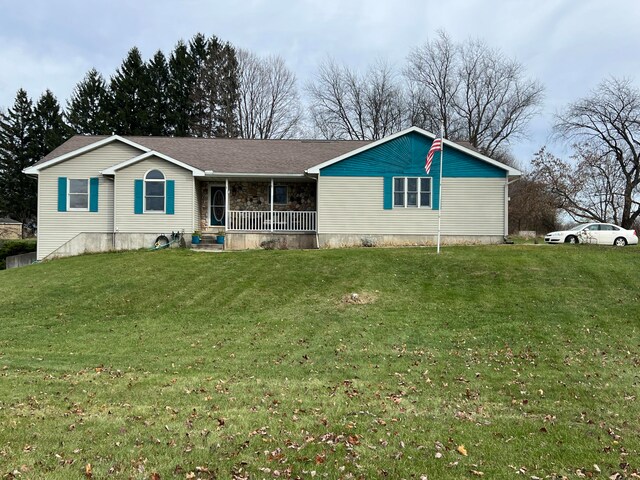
x: 204, y: 205
x: 254, y: 196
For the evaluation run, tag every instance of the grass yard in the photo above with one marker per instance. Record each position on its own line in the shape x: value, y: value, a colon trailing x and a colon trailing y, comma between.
x: 502, y: 362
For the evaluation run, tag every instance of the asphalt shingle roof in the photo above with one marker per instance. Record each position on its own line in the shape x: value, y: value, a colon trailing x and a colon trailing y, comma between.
x: 232, y: 155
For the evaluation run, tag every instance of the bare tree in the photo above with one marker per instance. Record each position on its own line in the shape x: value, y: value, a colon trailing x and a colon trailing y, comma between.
x: 345, y: 104
x: 268, y: 103
x: 531, y: 206
x: 433, y: 76
x: 589, y: 187
x: 606, y: 180
x: 477, y: 93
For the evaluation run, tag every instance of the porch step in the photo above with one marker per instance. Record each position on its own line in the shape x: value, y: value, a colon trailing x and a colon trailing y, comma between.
x: 208, y: 247
x: 208, y: 239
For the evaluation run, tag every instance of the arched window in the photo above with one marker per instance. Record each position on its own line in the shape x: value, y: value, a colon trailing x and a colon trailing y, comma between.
x: 154, y: 191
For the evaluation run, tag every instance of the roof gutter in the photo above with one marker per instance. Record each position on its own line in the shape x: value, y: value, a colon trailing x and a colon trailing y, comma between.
x: 211, y: 173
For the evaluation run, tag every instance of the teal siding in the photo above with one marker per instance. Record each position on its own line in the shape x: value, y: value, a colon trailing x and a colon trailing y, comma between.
x: 388, y: 192
x: 94, y: 183
x: 405, y: 157
x: 62, y: 194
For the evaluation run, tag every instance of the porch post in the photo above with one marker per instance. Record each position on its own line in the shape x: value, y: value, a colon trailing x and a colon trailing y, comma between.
x: 271, y: 204
x: 226, y: 204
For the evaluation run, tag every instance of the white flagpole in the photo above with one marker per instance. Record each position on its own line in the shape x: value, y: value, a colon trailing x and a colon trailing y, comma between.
x: 440, y: 184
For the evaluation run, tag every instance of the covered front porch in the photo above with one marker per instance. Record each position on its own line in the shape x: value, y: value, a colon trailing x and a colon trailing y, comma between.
x: 257, y: 205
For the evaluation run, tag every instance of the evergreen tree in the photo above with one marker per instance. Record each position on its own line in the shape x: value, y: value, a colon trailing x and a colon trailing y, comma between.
x: 17, y: 190
x: 228, y: 93
x: 203, y: 89
x: 131, y: 96
x: 181, y: 79
x: 49, y: 129
x: 214, y: 94
x: 158, y: 108
x: 87, y: 110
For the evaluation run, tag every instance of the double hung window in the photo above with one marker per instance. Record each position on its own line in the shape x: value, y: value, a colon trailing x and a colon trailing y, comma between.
x: 78, y: 194
x: 154, y: 191
x: 411, y: 192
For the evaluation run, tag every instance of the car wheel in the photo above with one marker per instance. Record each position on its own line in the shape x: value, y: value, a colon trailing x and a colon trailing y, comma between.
x: 620, y: 242
x: 572, y: 239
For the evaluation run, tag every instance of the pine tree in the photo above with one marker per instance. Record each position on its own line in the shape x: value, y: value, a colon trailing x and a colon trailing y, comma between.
x: 49, y: 129
x: 203, y: 88
x: 131, y: 96
x: 17, y: 190
x: 181, y: 79
x: 158, y: 108
x: 87, y: 110
x: 215, y: 92
x: 228, y: 93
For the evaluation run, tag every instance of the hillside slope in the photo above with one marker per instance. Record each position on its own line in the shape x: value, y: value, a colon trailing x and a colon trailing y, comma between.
x: 263, y: 364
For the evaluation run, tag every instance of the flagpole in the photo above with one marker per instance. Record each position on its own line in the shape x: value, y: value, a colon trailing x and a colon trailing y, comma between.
x: 440, y: 185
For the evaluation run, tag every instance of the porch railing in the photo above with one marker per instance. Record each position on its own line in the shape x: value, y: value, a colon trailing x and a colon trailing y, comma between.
x: 261, y: 221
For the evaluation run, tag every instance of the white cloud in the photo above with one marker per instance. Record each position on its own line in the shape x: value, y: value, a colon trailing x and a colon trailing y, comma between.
x: 570, y: 46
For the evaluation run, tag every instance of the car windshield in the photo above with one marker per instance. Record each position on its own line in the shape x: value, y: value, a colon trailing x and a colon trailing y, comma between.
x: 580, y: 226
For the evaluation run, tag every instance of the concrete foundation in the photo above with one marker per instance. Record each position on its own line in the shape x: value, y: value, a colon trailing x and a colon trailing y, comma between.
x: 105, y: 242
x: 21, y: 260
x: 333, y: 240
x: 248, y: 241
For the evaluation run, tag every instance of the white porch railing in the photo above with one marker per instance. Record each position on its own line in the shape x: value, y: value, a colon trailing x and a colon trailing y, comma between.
x: 261, y: 221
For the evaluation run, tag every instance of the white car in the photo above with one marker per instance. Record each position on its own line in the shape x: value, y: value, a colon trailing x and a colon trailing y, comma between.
x: 598, y: 233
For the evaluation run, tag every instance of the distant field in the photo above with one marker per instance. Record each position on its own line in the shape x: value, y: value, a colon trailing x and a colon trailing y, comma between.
x: 503, y: 362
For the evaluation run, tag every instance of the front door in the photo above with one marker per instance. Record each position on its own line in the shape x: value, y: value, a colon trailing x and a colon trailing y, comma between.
x: 217, y: 206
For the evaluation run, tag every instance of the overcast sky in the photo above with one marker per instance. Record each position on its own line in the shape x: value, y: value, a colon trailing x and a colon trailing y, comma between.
x: 569, y: 45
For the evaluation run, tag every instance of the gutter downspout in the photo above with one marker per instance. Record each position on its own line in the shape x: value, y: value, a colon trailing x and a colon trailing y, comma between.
x: 115, y: 228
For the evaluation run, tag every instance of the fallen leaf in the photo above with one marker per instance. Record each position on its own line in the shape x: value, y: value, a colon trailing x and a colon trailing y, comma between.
x: 462, y: 450
x: 88, y: 471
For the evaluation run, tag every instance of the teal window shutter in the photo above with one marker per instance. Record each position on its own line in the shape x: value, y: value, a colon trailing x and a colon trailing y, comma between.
x: 94, y: 183
x: 388, y: 193
x: 171, y: 194
x: 62, y: 194
x: 137, y: 196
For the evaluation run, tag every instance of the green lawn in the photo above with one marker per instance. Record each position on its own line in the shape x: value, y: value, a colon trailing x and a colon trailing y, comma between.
x: 260, y: 365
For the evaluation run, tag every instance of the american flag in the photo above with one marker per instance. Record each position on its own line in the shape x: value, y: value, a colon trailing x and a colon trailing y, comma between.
x: 435, y: 146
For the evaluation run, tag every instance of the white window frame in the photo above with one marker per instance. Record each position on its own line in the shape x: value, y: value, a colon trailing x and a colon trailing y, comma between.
x: 286, y: 194
x: 405, y: 192
x: 144, y: 191
x: 69, y: 193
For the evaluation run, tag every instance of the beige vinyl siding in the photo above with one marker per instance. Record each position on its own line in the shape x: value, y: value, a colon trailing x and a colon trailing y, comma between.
x: 129, y: 222
x: 56, y: 228
x: 354, y: 205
